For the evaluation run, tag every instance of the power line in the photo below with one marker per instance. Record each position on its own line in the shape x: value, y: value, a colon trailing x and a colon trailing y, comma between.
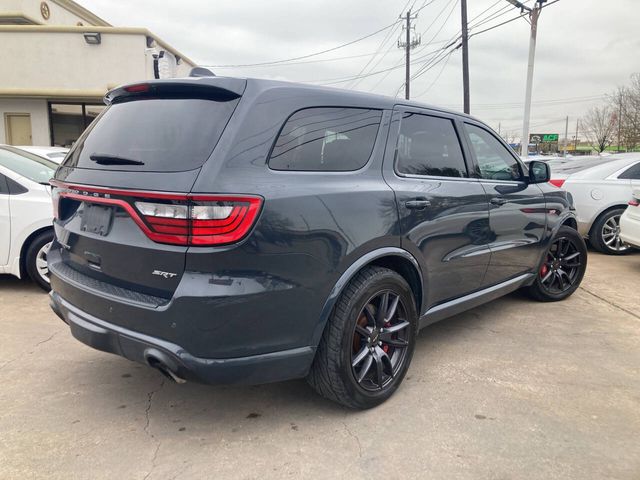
x: 384, y: 40
x: 310, y: 54
x: 448, y: 57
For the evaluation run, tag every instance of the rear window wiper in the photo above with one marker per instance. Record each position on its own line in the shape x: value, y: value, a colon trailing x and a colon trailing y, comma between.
x: 106, y: 159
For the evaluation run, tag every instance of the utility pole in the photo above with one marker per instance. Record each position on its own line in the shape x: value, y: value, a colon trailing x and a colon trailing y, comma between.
x: 566, y: 135
x: 575, y: 145
x: 465, y: 58
x: 534, y: 14
x: 409, y: 44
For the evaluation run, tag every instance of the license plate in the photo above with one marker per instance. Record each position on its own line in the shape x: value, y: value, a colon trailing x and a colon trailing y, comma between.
x: 96, y: 219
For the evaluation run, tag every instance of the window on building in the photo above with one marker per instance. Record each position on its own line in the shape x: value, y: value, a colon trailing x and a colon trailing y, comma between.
x: 326, y: 139
x: 429, y: 146
x: 68, y: 120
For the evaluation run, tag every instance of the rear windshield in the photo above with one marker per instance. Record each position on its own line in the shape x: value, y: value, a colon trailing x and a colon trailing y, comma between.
x: 575, y: 165
x: 152, y: 135
x: 33, y: 167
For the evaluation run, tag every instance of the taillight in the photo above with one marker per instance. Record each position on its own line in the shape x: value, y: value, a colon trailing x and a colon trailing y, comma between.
x: 634, y: 202
x: 55, y: 200
x: 557, y: 182
x: 204, y: 220
x: 178, y: 219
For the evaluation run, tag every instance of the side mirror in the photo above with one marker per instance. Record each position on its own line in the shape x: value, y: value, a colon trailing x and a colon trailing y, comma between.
x: 539, y: 172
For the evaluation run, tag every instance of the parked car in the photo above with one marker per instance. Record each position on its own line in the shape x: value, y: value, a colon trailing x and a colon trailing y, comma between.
x: 247, y: 231
x: 630, y: 221
x: 26, y: 214
x: 55, y: 154
x: 601, y: 188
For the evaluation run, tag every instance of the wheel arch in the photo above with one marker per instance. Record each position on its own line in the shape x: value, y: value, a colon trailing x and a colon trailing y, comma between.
x: 25, y: 246
x: 570, y: 221
x: 604, y: 212
x: 393, y: 258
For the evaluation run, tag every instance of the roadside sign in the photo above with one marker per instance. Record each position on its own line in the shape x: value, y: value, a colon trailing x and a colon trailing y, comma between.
x: 543, y: 137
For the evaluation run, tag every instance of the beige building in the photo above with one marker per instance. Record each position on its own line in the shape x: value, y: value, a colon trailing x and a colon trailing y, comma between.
x: 58, y: 60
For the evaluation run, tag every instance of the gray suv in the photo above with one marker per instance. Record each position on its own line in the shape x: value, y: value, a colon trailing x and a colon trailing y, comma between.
x: 228, y: 230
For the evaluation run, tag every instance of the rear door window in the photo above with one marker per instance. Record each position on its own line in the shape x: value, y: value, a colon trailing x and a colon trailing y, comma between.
x: 153, y: 135
x: 326, y: 139
x: 429, y: 146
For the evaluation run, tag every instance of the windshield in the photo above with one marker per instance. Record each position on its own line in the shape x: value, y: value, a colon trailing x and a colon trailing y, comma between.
x: 152, y: 135
x: 33, y: 167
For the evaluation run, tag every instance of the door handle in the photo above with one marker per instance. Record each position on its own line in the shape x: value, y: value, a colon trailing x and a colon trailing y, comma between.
x: 498, y: 201
x: 417, y: 204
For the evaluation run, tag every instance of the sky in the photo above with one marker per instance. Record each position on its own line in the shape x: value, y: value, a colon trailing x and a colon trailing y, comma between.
x: 585, y: 49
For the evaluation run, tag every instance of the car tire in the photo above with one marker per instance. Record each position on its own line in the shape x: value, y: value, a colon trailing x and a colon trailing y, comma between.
x: 355, y: 330
x: 605, y: 234
x: 35, y: 256
x: 562, y: 270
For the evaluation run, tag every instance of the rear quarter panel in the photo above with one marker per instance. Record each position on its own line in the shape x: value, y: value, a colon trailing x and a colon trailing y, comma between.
x: 312, y: 227
x: 591, y: 198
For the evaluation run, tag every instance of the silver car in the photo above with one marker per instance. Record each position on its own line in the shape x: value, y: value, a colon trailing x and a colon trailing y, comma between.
x: 601, y: 188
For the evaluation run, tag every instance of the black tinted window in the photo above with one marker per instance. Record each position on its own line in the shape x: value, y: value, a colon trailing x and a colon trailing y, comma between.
x: 494, y: 160
x: 632, y: 173
x: 4, y: 188
x: 429, y: 146
x: 153, y: 135
x: 326, y: 139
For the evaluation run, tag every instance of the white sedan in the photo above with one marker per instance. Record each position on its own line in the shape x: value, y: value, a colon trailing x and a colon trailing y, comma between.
x: 601, y: 188
x: 630, y: 221
x: 55, y: 154
x: 26, y: 214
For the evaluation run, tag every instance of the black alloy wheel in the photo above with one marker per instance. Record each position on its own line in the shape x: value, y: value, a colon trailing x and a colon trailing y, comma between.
x: 380, y: 341
x: 561, y: 267
x: 368, y: 342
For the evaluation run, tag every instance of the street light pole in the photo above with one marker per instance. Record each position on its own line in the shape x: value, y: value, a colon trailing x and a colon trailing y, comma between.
x: 534, y: 14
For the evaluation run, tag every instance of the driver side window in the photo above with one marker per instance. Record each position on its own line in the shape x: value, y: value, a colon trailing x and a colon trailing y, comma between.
x: 494, y: 160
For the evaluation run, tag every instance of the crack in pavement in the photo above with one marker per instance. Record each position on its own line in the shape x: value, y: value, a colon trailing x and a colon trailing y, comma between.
x: 352, y: 435
x: 609, y: 302
x: 8, y: 362
x: 45, y: 341
x: 147, y: 414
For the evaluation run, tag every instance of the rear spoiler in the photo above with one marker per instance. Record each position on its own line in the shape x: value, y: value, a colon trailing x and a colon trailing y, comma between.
x: 205, y: 87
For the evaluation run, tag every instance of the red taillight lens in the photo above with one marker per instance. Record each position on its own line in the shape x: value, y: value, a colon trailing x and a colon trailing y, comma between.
x: 557, y: 182
x: 209, y: 220
x: 634, y: 202
x: 215, y: 220
x: 178, y: 219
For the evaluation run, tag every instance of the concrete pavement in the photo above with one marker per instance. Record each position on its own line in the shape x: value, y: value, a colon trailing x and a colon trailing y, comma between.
x: 510, y: 390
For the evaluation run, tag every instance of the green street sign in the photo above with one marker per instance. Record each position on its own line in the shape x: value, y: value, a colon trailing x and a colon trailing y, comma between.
x: 543, y: 137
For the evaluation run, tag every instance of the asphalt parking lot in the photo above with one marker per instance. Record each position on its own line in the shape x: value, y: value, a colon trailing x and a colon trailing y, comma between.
x: 511, y: 390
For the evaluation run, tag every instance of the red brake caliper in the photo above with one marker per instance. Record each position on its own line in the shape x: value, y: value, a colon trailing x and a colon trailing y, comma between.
x: 386, y: 347
x: 544, y: 269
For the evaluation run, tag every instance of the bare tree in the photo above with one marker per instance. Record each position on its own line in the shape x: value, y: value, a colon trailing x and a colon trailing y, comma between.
x: 630, y: 118
x: 511, y: 136
x: 599, y: 126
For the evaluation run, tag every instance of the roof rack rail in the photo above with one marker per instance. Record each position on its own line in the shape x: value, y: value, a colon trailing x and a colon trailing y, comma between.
x: 201, y: 72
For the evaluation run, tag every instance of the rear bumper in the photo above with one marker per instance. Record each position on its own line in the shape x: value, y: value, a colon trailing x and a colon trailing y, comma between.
x: 138, y: 347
